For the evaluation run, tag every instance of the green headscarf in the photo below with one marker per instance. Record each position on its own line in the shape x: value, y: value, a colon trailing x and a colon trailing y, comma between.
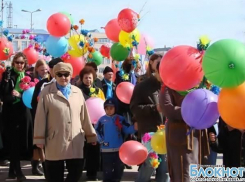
x: 21, y: 74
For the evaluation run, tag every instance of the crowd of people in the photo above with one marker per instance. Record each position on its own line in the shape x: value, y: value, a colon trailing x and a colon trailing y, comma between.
x: 59, y: 124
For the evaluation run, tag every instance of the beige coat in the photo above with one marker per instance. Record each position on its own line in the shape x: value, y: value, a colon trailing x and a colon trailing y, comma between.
x: 61, y: 124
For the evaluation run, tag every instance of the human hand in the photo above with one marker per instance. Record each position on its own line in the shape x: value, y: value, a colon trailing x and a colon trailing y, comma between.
x: 16, y: 93
x: 159, y: 109
x: 94, y: 143
x: 41, y: 146
x: 212, y: 137
x: 136, y: 126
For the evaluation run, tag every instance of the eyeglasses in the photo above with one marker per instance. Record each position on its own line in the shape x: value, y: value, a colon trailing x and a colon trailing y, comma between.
x: 17, y: 62
x: 63, y: 74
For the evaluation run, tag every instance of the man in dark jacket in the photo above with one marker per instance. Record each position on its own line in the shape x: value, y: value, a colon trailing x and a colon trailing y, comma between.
x: 108, y: 86
x: 147, y: 112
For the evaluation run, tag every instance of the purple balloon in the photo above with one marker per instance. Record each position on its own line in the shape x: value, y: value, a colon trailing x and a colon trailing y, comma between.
x: 199, y: 109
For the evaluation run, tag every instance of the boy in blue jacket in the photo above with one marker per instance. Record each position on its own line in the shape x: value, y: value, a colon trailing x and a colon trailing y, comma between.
x: 110, y: 129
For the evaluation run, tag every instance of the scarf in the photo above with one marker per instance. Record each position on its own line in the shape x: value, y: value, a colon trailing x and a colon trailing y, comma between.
x: 109, y: 92
x: 21, y: 74
x: 65, y: 90
x: 133, y: 79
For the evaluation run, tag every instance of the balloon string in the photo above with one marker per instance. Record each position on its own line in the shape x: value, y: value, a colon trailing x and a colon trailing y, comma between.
x: 189, y: 132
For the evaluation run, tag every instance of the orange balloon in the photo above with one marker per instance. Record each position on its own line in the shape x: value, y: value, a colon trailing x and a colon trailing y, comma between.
x: 231, y: 105
x: 132, y: 153
x: 31, y: 55
x: 124, y: 92
x: 77, y: 64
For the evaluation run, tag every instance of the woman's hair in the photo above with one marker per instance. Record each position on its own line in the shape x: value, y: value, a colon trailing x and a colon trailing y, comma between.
x: 39, y: 63
x: 18, y: 55
x: 93, y: 65
x: 87, y: 70
x: 152, y: 58
x: 127, y: 64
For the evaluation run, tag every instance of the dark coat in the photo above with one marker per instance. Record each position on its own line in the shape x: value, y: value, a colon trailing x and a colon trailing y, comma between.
x: 143, y: 105
x: 36, y: 93
x: 104, y: 88
x: 17, y: 120
x: 182, y: 149
x: 231, y: 144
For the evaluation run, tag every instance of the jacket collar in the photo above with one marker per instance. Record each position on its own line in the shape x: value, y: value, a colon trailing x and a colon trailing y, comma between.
x: 54, y: 89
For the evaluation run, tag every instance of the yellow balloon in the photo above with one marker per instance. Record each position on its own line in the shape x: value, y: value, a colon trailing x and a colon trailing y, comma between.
x: 76, y: 50
x: 158, y: 142
x: 126, y: 39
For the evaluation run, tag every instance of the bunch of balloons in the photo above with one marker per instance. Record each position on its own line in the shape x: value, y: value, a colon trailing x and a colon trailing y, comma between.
x: 58, y: 25
x: 124, y: 33
x: 224, y: 66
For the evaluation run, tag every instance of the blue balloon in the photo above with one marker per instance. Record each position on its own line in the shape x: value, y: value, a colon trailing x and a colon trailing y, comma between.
x: 27, y: 97
x: 56, y: 46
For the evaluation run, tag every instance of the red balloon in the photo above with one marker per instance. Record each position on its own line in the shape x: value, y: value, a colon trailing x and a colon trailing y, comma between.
x: 112, y: 30
x: 181, y: 68
x: 105, y: 51
x: 31, y: 55
x: 124, y: 92
x: 128, y: 20
x: 58, y: 25
x: 77, y: 63
x: 5, y: 46
x: 132, y: 153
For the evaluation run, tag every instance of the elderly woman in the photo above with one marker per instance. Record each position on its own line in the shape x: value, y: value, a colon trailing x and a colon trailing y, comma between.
x: 61, y: 123
x: 17, y: 120
x: 89, y: 89
x: 87, y: 76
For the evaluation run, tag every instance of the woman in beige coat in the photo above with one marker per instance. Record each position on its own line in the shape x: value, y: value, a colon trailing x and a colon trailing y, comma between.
x: 61, y: 124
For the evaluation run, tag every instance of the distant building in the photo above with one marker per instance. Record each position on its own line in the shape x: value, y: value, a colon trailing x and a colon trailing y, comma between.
x: 162, y: 50
x: 20, y: 44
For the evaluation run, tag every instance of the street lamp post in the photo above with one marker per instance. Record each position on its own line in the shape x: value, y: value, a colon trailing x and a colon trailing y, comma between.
x: 31, y: 12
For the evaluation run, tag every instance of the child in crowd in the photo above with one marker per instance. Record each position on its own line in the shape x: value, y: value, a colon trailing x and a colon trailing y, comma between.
x: 110, y: 129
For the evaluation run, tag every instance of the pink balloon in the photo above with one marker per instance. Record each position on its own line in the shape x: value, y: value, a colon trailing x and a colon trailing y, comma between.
x: 112, y: 30
x: 132, y: 153
x: 145, y: 41
x: 95, y: 108
x: 124, y: 92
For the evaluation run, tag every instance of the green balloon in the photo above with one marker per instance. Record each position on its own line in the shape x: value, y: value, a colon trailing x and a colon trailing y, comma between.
x: 68, y: 16
x: 97, y: 58
x: 118, y: 52
x: 224, y: 63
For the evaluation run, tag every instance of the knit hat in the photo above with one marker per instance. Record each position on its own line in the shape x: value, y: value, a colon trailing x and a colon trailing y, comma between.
x: 66, y: 67
x: 53, y: 62
x: 107, y: 70
x: 110, y: 102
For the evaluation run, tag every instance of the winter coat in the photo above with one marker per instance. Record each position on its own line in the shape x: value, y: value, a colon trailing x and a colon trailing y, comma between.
x: 231, y: 144
x: 17, y: 121
x: 104, y: 88
x: 110, y: 130
x: 143, y: 105
x: 182, y: 149
x: 61, y: 124
x: 86, y: 92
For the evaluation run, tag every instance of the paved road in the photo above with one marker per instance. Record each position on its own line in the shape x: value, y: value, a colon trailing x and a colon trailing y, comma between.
x: 129, y: 175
